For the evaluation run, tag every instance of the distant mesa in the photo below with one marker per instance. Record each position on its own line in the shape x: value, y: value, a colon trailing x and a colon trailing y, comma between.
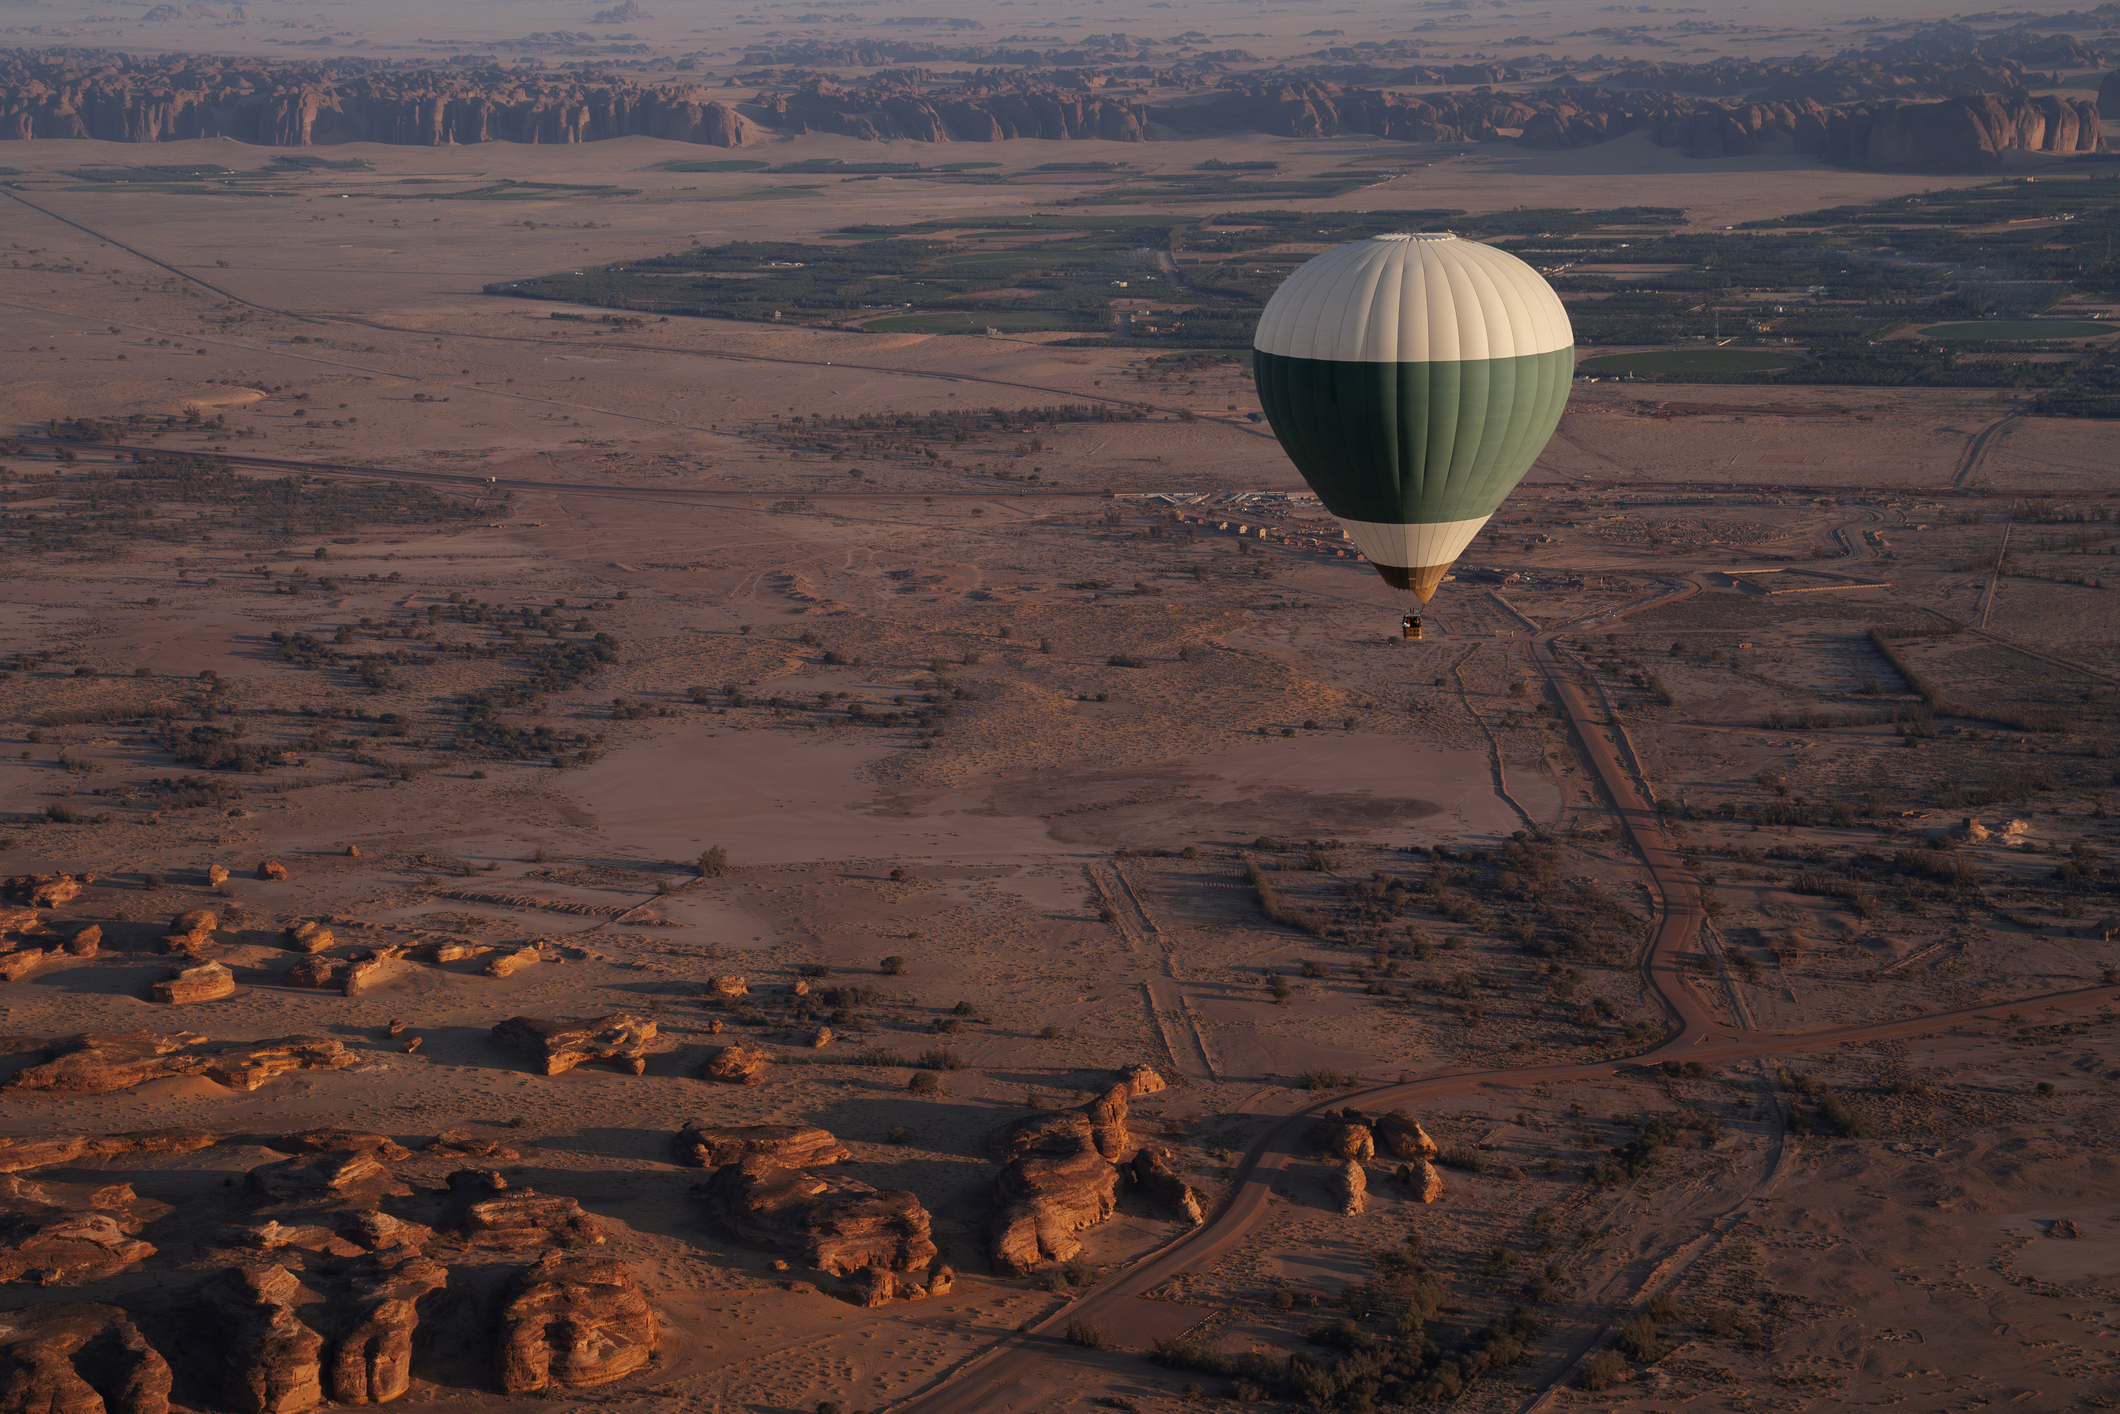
x: 622, y: 14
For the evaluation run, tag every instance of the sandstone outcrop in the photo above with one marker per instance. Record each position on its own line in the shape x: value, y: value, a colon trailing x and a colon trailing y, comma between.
x: 507, y: 964
x: 798, y: 1146
x: 1155, y: 1175
x: 308, y: 936
x: 372, y: 1362
x: 328, y: 1286
x: 78, y: 1357
x: 462, y: 1143
x: 877, y: 1286
x: 207, y: 982
x: 65, y: 1234
x: 1101, y: 1124
x: 1422, y: 1179
x: 85, y: 942
x: 1345, y: 1135
x: 268, y: 1360
x: 45, y: 890
x: 1059, y: 1178
x: 836, y: 1225
x: 19, y: 1154
x: 103, y: 1063
x: 727, y: 987
x: 216, y: 875
x: 272, y: 869
x: 1350, y: 1188
x: 737, y: 1065
x: 495, y: 1215
x: 556, y: 1045
x: 328, y: 974
x: 191, y: 933
x: 14, y: 966
x: 572, y: 1321
x: 1400, y: 1135
x: 1044, y: 1200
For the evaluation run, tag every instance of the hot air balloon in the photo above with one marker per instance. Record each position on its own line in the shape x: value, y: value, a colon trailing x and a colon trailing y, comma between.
x: 1413, y: 378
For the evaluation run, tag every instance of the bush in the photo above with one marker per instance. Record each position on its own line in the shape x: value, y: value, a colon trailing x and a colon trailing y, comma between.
x: 1126, y: 660
x: 1086, y: 1333
x: 1602, y: 1371
x: 895, y: 966
x: 925, y: 1083
x: 715, y: 863
x: 1639, y: 1341
x: 941, y: 1059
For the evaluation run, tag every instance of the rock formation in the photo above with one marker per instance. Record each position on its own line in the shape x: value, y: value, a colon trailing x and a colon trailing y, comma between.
x: 1350, y: 1188
x: 77, y: 1357
x: 572, y: 1321
x: 269, y: 1361
x: 796, y: 1146
x: 272, y: 869
x: 204, y: 983
x: 1423, y: 1179
x: 308, y: 936
x: 556, y: 1045
x: 85, y: 942
x: 324, y: 1284
x: 1964, y: 134
x: 330, y: 974
x: 1345, y: 1135
x: 1960, y: 133
x: 492, y: 1214
x: 18, y: 1155
x: 103, y: 1063
x: 1059, y: 1178
x: 14, y: 966
x: 736, y: 1065
x: 727, y: 987
x: 191, y: 933
x: 216, y: 875
x: 507, y: 964
x: 832, y: 1224
x: 1155, y: 1175
x: 44, y: 890
x: 1400, y: 1135
x: 65, y: 1234
x: 372, y: 1363
x: 123, y: 98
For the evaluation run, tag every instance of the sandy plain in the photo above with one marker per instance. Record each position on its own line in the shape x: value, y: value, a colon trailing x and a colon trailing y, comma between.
x: 1028, y: 854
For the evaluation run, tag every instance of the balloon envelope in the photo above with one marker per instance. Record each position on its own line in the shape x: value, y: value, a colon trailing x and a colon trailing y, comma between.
x: 1413, y: 379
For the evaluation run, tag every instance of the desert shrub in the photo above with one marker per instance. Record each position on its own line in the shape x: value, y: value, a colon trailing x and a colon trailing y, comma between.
x: 1329, y: 1080
x: 715, y: 863
x: 1640, y: 1342
x: 1085, y: 1332
x: 1602, y: 1371
x: 925, y: 1083
x: 895, y: 966
x: 942, y: 1058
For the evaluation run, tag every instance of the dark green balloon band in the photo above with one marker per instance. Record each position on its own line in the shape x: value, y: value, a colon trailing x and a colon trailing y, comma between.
x: 1414, y: 443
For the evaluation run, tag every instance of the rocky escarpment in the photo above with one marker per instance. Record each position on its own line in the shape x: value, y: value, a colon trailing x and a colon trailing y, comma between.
x: 990, y: 108
x: 1968, y: 134
x: 1959, y: 134
x: 123, y: 98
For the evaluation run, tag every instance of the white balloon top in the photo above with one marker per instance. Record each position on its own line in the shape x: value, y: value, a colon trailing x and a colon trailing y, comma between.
x: 1413, y: 297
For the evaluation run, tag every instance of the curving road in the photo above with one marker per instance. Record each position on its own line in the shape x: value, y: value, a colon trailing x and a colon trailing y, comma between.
x: 1011, y: 1376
